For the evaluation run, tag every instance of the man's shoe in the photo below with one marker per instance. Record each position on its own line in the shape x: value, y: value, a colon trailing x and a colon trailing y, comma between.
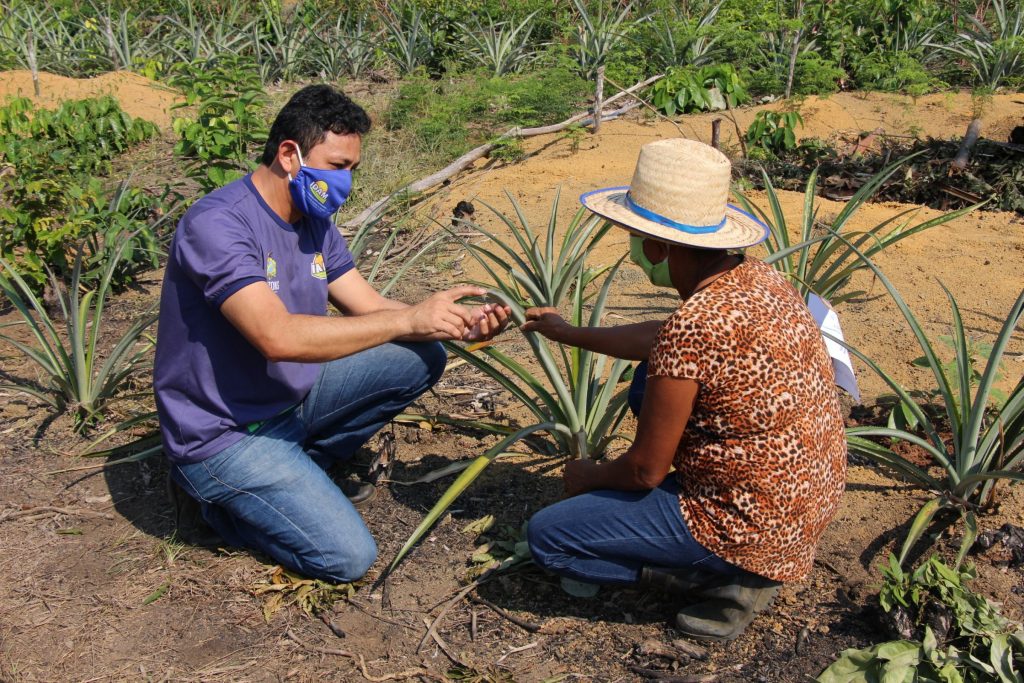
x: 726, y: 606
x: 358, y: 492
x: 189, y: 524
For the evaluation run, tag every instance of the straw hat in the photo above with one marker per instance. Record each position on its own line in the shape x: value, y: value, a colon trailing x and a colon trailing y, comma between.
x: 679, y: 194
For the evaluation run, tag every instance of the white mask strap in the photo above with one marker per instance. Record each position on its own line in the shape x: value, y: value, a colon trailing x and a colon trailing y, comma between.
x: 301, y: 162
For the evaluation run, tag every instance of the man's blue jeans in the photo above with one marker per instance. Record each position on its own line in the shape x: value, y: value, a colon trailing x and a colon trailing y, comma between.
x: 270, y: 492
x: 609, y: 536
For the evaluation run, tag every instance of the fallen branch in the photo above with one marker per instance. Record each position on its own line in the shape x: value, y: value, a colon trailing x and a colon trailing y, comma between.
x: 963, y: 155
x: 472, y: 156
x: 47, y: 509
x: 521, y: 623
x: 441, y: 644
x: 669, y: 677
x: 437, y: 620
x: 514, y: 650
x: 358, y: 658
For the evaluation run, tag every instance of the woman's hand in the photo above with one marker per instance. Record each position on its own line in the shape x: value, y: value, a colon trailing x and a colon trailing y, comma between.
x: 547, y: 321
x: 579, y: 477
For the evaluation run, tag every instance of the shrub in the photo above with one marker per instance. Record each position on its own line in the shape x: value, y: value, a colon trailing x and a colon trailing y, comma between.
x: 223, y: 138
x: 829, y: 254
x: 702, y: 89
x: 948, y: 633
x: 893, y: 72
x: 815, y: 75
x: 55, y: 200
x: 774, y: 131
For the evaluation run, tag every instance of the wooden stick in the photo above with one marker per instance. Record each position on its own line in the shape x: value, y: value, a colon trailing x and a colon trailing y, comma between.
x: 401, y: 675
x: 656, y: 112
x: 716, y: 133
x: 963, y: 155
x: 598, y: 99
x: 441, y: 644
x: 515, y: 650
x: 451, y: 603
x: 32, y: 64
x: 470, y: 157
x: 521, y: 623
x: 44, y: 509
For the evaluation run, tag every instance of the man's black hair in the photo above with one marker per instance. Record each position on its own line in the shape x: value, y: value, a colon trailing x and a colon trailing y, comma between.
x: 309, y: 114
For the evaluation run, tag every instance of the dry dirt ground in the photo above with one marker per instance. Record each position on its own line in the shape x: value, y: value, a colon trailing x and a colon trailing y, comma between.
x: 96, y: 589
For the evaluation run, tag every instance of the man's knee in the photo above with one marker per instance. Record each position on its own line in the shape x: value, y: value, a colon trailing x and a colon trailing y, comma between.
x: 348, y: 561
x: 435, y: 358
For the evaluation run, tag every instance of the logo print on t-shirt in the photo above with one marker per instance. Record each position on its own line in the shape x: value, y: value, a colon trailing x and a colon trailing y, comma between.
x: 316, y: 268
x: 319, y: 191
x: 272, y: 273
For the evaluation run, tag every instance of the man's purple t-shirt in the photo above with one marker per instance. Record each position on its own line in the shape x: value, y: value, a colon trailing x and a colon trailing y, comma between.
x: 210, y: 382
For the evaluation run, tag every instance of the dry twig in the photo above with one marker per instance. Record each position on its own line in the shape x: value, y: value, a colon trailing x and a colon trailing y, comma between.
x: 521, y: 623
x: 358, y: 658
x: 43, y: 510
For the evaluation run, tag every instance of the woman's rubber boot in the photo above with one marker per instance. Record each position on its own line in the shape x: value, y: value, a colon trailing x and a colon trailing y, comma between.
x: 726, y: 606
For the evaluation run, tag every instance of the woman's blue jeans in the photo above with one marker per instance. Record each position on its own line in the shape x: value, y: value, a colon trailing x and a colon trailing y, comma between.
x: 609, y: 536
x: 270, y: 492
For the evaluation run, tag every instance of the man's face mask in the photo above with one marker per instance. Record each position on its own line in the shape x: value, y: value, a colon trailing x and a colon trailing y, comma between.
x: 319, y: 192
x: 657, y: 273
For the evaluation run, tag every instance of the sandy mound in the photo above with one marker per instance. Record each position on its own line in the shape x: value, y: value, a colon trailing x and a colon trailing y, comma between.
x: 139, y: 96
x: 979, y: 257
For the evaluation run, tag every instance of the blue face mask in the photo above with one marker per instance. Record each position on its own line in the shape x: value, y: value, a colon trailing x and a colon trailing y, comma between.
x: 319, y: 192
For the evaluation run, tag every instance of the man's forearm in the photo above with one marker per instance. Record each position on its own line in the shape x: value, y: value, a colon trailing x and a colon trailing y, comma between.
x: 630, y: 342
x: 314, y: 339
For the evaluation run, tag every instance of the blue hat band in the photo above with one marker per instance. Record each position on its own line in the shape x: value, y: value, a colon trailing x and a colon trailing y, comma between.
x: 668, y: 222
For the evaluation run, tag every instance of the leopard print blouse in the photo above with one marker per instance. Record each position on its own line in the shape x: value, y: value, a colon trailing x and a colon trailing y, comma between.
x: 762, y: 462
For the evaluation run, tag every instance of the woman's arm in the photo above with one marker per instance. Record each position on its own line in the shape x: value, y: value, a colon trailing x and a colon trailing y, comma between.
x: 631, y: 342
x: 667, y: 405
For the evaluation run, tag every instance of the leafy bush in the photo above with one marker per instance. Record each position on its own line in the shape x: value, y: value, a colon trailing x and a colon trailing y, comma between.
x: 706, y: 88
x: 223, y: 138
x: 948, y: 633
x: 893, y: 72
x: 774, y: 131
x: 815, y: 75
x: 54, y: 199
x: 597, y: 34
x: 676, y: 40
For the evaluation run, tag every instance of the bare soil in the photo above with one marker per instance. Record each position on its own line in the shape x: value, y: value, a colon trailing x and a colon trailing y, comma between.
x: 96, y: 589
x: 138, y: 95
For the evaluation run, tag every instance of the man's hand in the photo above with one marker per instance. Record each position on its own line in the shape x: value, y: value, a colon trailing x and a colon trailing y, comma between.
x: 579, y: 477
x: 491, y: 320
x: 546, y: 321
x: 439, y: 318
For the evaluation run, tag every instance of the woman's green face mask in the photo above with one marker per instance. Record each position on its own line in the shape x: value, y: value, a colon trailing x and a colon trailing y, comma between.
x: 657, y: 273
